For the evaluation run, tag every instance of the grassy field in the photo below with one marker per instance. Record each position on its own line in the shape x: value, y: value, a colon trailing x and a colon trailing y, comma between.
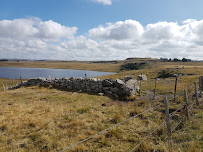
x: 78, y: 65
x: 41, y: 119
x: 106, y: 67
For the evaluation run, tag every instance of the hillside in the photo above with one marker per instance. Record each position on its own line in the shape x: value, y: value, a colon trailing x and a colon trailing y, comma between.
x: 45, y: 119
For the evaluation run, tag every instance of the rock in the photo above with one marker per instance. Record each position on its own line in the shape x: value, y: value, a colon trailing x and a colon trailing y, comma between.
x: 132, y: 85
x: 101, y: 94
x: 128, y: 78
x: 116, y: 88
x: 79, y: 91
x: 106, y: 83
x: 93, y: 79
x: 142, y: 77
x: 118, y: 83
x: 103, y: 105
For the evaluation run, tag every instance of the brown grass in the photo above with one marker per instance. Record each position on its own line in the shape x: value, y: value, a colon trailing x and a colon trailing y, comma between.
x: 40, y: 119
x: 106, y: 67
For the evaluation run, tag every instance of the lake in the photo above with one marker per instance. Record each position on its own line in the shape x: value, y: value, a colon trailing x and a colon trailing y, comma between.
x: 28, y: 73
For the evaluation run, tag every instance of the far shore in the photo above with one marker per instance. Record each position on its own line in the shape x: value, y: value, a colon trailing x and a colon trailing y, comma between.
x: 77, y: 65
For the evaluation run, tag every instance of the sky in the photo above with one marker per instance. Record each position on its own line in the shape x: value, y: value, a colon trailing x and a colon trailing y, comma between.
x: 101, y: 29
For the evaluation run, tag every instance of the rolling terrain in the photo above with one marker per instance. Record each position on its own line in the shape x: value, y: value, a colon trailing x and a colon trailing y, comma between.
x: 45, y: 119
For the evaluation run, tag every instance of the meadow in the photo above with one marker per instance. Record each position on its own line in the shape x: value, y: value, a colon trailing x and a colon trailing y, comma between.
x: 45, y: 119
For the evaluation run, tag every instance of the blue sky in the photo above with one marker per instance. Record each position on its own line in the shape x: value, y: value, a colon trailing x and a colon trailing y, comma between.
x: 86, y: 15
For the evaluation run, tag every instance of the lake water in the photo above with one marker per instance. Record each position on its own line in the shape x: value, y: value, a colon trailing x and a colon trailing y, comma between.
x: 27, y: 73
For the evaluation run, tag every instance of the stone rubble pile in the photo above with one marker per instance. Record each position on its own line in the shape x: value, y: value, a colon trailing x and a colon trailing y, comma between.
x: 117, y: 88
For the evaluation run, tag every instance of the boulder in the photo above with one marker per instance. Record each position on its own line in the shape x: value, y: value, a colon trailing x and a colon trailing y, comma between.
x: 132, y: 85
x: 142, y: 77
x: 118, y: 83
x: 128, y: 78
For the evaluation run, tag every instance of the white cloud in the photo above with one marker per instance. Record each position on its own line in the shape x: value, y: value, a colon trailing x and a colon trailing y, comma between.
x: 35, y: 28
x: 128, y: 29
x: 105, y: 2
x: 36, y: 39
x: 51, y: 30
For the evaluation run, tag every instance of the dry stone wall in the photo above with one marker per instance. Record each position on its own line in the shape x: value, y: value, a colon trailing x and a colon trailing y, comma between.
x: 119, y: 88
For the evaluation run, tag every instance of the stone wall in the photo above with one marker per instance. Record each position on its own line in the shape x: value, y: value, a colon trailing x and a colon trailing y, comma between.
x: 119, y: 88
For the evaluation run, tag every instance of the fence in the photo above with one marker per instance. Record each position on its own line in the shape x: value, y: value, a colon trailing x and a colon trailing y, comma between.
x: 186, y: 108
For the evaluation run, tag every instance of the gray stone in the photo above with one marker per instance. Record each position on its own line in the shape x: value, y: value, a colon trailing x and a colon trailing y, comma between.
x: 129, y: 77
x: 142, y: 77
x: 114, y: 90
x: 132, y: 85
x: 117, y: 88
x: 101, y: 94
x: 118, y: 83
x: 106, y: 83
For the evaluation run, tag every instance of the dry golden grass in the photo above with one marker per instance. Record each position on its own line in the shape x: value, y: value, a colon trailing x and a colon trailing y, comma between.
x: 40, y: 119
x: 106, y: 67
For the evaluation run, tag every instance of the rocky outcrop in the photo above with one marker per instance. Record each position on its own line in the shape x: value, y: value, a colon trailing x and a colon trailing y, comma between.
x: 119, y: 88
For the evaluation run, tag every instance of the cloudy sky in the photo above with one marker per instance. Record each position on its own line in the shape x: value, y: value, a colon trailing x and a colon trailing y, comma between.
x: 101, y: 29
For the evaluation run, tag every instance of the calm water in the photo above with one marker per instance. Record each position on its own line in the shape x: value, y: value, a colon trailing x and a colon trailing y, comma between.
x: 27, y: 73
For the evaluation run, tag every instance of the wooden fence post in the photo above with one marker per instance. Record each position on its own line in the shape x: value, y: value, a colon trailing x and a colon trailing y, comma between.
x: 4, y: 87
x: 155, y: 88
x: 175, y: 86
x: 168, y: 124
x: 140, y: 85
x: 141, y: 80
x: 196, y: 94
x: 186, y: 103
x: 201, y: 83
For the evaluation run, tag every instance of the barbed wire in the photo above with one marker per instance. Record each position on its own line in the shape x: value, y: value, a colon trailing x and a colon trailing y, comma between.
x: 110, y: 128
x: 191, y: 106
x: 172, y: 114
x: 147, y: 136
x: 167, y: 136
x: 128, y: 120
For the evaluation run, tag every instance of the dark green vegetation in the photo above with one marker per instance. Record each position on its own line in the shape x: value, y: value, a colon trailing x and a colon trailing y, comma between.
x: 132, y: 66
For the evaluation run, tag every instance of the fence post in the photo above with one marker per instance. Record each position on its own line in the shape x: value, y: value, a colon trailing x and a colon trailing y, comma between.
x: 175, y: 86
x: 168, y: 124
x: 140, y: 85
x: 4, y: 87
x: 201, y: 83
x: 141, y: 80
x: 196, y: 94
x: 155, y: 88
x: 186, y: 103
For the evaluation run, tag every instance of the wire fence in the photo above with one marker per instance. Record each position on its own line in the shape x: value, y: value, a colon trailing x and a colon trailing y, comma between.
x: 186, y: 109
x: 148, y: 136
x: 110, y: 127
x: 181, y: 121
